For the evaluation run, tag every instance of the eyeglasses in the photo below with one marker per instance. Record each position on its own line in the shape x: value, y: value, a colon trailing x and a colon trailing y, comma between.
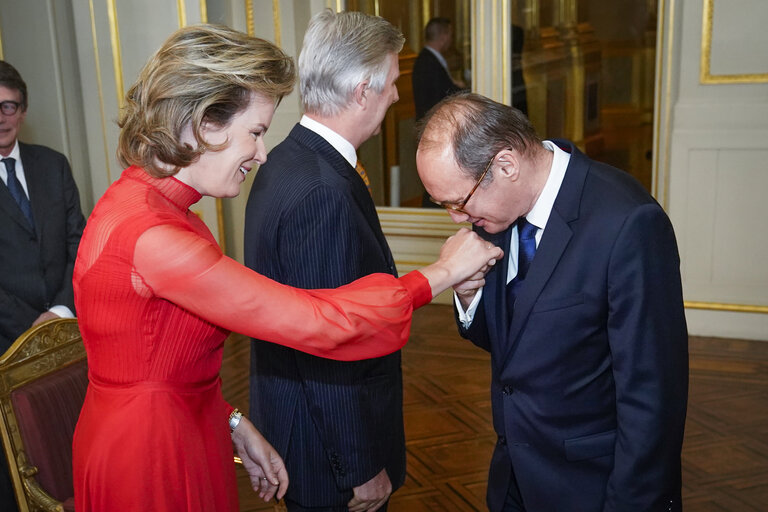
x: 9, y: 107
x: 459, y: 207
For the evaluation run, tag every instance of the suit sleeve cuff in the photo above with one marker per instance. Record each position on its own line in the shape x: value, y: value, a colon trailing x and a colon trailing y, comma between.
x: 418, y: 287
x: 466, y: 317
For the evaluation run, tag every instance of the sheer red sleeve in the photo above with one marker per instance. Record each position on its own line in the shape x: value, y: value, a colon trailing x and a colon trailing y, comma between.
x: 370, y: 317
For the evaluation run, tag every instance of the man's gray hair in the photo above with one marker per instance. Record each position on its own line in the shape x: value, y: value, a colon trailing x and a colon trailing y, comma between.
x: 340, y: 51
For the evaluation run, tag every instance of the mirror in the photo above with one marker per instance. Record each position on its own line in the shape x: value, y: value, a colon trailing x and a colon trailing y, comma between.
x: 390, y: 157
x: 581, y: 70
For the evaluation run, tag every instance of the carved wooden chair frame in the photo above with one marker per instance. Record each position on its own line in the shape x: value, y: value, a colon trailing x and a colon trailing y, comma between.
x: 41, y: 350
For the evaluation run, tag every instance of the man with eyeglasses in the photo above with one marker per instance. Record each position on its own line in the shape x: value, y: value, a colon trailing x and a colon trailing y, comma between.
x: 584, y: 319
x: 40, y: 222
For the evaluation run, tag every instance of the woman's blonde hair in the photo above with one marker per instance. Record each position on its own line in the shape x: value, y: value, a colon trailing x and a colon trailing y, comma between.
x: 201, y: 74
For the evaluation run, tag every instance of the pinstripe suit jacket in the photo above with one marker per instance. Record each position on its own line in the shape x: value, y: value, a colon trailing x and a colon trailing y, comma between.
x: 36, y: 265
x: 311, y: 223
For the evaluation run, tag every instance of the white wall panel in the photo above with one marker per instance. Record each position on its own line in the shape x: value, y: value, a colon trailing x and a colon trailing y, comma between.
x: 733, y: 51
x: 718, y: 172
x: 38, y: 39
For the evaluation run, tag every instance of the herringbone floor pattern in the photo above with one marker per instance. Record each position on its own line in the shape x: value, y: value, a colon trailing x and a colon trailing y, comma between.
x: 448, y: 421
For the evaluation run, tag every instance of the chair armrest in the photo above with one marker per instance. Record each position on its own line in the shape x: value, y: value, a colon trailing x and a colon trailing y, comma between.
x: 36, y: 493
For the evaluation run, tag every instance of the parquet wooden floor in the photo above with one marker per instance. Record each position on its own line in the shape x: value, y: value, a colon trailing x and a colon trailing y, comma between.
x: 448, y: 421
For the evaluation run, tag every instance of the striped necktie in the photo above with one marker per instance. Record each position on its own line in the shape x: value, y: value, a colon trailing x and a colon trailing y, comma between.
x: 17, y: 191
x: 361, y: 171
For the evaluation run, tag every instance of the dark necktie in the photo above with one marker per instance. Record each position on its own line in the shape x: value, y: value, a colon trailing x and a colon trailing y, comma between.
x: 17, y: 191
x: 526, y: 233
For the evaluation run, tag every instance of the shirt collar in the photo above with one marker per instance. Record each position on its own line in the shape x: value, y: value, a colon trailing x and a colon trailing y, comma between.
x: 439, y: 56
x: 339, y: 143
x: 539, y: 214
x: 15, y: 153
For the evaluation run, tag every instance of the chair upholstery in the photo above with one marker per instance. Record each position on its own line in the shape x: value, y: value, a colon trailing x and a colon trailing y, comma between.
x: 42, y: 389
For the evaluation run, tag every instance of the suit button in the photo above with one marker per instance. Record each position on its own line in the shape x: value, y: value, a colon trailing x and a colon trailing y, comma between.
x: 507, y: 390
x: 502, y: 441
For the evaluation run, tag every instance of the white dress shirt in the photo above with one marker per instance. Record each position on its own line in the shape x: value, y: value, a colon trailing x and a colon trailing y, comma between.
x: 19, y: 167
x: 338, y: 142
x: 538, y: 216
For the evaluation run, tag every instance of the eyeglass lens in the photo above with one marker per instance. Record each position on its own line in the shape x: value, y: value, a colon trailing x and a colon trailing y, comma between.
x: 9, y: 107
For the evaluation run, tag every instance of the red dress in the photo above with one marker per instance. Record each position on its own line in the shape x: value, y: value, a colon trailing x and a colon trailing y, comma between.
x: 156, y: 298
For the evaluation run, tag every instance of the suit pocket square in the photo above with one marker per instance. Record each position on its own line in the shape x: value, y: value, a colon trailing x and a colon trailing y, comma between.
x: 558, y: 303
x: 588, y: 447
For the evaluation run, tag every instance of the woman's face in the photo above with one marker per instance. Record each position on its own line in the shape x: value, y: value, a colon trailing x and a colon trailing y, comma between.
x: 220, y: 173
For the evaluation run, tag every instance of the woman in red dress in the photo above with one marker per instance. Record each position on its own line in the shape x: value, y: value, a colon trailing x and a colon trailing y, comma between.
x: 156, y: 297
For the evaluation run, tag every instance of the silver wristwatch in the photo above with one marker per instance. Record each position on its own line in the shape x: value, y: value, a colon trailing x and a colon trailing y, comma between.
x: 234, y: 419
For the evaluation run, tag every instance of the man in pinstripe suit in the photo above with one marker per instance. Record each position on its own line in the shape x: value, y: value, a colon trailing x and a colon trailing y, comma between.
x: 311, y: 223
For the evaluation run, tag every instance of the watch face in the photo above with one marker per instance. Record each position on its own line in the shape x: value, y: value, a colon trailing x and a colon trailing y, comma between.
x: 234, y: 419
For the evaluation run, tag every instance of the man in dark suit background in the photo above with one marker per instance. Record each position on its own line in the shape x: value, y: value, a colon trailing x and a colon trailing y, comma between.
x: 311, y: 223
x: 431, y: 79
x: 584, y: 320
x: 40, y: 228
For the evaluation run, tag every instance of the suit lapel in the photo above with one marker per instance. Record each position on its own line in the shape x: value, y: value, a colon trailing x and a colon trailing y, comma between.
x: 360, y: 193
x: 552, y: 246
x: 496, y: 289
x: 37, y: 185
x: 8, y: 203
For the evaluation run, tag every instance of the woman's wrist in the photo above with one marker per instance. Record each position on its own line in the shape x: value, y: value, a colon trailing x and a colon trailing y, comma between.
x: 439, y: 277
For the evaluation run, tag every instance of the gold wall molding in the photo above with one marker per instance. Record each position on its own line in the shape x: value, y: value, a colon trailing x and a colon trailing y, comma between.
x: 100, y: 87
x: 721, y: 306
x: 706, y: 76
x: 277, y: 24
x: 497, y: 92
x: 662, y: 112
x: 182, y: 10
x: 117, y: 59
x: 203, y: 12
x: 2, y: 55
x: 249, y: 26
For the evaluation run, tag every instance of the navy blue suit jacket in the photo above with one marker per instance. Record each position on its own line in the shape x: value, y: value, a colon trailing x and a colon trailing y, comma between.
x: 311, y: 223
x: 590, y: 374
x: 36, y: 265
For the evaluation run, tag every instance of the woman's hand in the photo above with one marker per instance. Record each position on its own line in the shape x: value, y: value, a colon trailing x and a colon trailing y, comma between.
x: 462, y: 257
x: 262, y: 462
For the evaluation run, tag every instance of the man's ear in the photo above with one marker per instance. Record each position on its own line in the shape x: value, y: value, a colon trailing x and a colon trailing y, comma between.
x: 361, y: 93
x: 508, y: 163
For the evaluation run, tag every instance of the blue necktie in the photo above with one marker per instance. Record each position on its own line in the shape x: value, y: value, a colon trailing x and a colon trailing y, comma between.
x: 526, y: 233
x: 17, y: 191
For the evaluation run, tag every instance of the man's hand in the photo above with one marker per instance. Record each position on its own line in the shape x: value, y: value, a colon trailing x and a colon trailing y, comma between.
x: 370, y: 496
x: 43, y: 317
x: 467, y: 289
